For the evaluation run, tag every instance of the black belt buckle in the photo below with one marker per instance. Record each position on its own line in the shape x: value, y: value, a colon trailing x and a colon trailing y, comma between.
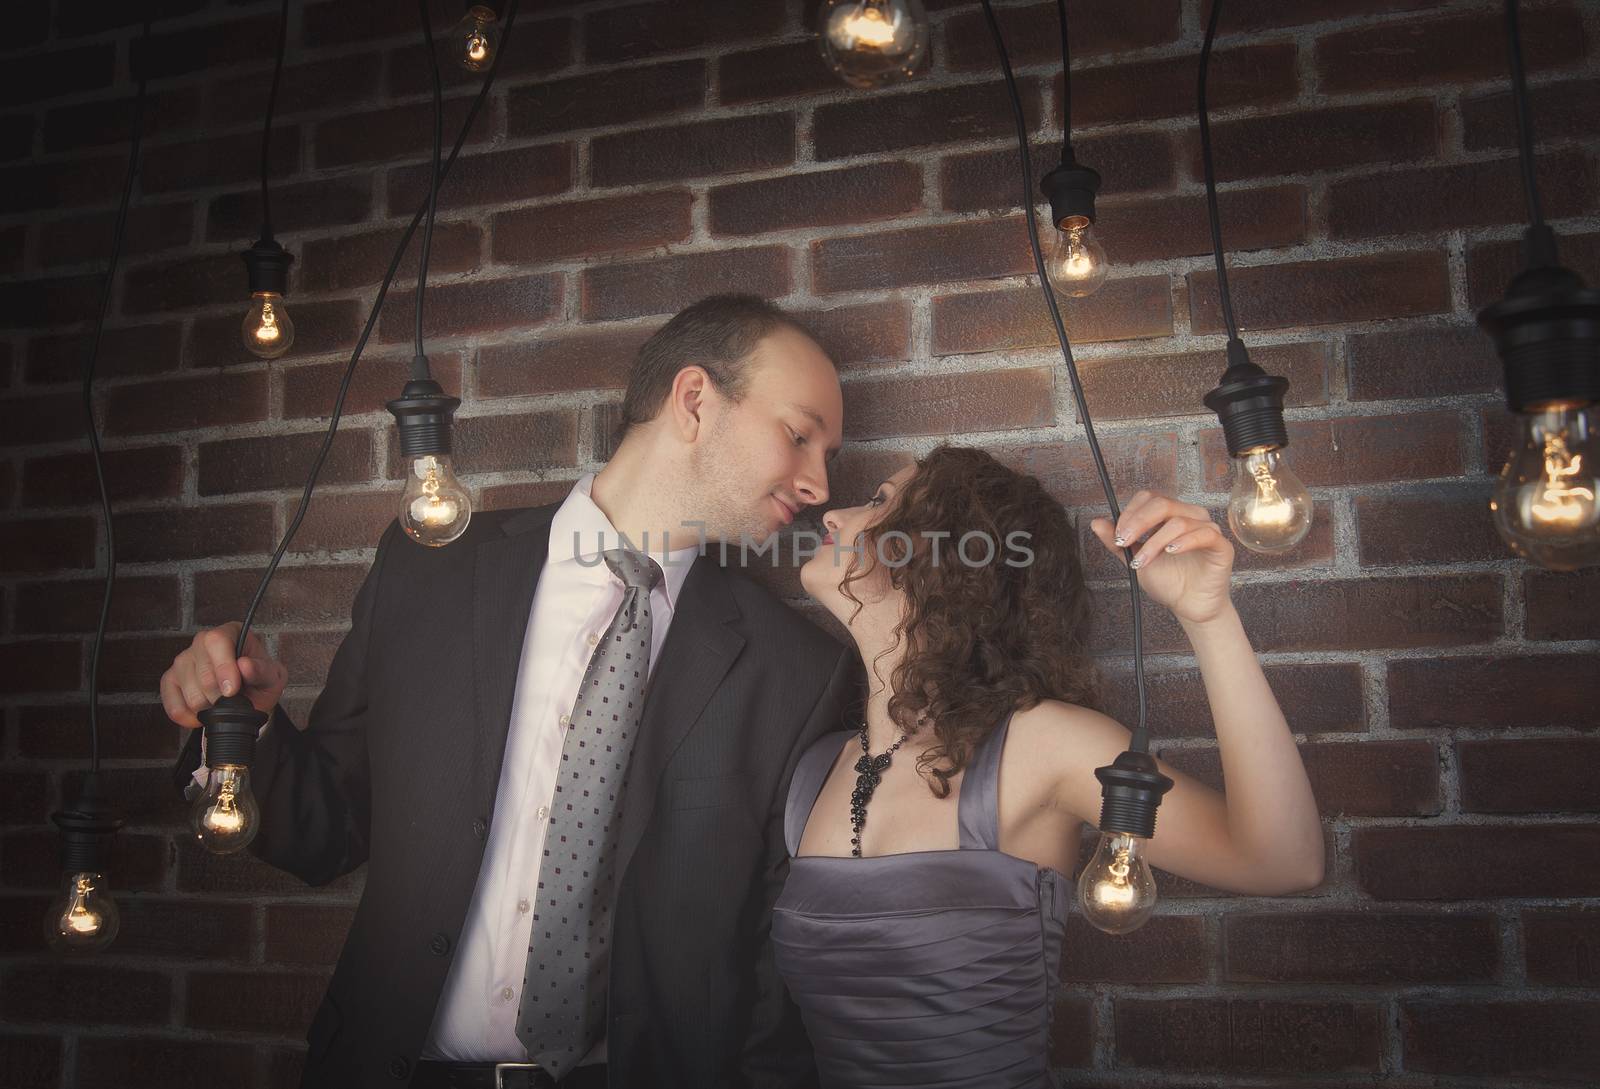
x: 529, y: 1082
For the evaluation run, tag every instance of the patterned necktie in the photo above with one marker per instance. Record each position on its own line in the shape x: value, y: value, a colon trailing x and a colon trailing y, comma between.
x: 562, y: 1011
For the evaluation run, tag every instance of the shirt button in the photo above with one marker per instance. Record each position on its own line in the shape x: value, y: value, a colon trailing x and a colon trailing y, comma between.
x: 566, y: 720
x: 399, y: 1067
x: 506, y: 994
x: 542, y: 812
x: 522, y: 905
x: 593, y: 639
x: 440, y: 944
x: 480, y: 827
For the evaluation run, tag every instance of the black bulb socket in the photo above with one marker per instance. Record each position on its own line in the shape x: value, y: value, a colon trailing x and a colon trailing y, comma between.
x: 422, y: 412
x: 1071, y: 189
x: 87, y: 826
x: 1546, y: 331
x: 232, y: 725
x: 1130, y: 793
x: 1249, y: 405
x: 267, y: 264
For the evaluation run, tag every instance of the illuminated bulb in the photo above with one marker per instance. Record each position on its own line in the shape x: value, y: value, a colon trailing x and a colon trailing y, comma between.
x: 1076, y: 262
x: 266, y: 329
x: 475, y: 39
x: 1116, y: 890
x: 435, y: 509
x: 1544, y: 505
x: 225, y: 818
x: 869, y: 43
x: 1269, y: 510
x: 83, y: 918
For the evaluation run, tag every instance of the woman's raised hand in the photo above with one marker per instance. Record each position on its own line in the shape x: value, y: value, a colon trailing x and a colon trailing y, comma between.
x: 1183, y: 559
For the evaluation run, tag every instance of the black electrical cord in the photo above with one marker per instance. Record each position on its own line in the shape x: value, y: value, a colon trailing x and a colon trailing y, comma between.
x: 88, y: 411
x: 1066, y: 79
x: 1225, y: 299
x: 419, y: 361
x: 366, y: 332
x: 1141, y: 741
x: 1519, y: 94
x: 266, y: 129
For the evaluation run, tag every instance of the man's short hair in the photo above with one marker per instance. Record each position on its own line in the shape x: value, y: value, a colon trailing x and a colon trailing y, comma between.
x: 717, y: 333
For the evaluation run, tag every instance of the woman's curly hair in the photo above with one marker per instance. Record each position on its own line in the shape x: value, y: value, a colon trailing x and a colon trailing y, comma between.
x: 988, y: 638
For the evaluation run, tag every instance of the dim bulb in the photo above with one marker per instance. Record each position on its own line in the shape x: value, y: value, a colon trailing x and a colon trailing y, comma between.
x: 1269, y: 510
x: 266, y: 329
x: 869, y: 43
x: 1076, y: 262
x: 435, y: 509
x: 225, y: 817
x: 1116, y: 889
x: 1544, y: 504
x: 83, y: 918
x: 475, y: 39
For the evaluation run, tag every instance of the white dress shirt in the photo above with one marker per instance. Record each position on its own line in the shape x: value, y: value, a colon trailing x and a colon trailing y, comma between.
x: 577, y: 597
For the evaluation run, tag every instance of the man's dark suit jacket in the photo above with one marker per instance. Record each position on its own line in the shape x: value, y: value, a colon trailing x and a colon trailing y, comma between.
x: 398, y: 769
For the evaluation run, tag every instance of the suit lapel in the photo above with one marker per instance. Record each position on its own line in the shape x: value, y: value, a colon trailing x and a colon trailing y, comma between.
x: 700, y: 648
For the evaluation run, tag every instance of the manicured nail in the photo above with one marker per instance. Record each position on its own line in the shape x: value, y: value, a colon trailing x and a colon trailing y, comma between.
x: 1173, y: 547
x: 1138, y: 562
x: 227, y: 688
x: 1120, y: 541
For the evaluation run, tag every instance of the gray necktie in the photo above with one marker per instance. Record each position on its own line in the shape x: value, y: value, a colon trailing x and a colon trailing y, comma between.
x: 562, y: 1012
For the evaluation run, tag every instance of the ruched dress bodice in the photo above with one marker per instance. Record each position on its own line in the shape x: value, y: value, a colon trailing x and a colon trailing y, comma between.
x: 933, y: 969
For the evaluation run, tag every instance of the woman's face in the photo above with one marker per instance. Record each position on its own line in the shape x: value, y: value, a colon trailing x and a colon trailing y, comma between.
x: 822, y: 573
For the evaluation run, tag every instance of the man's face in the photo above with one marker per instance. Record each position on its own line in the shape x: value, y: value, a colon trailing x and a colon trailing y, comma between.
x: 766, y: 458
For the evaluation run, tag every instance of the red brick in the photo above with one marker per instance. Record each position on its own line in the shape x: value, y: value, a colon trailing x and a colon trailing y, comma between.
x: 186, y: 403
x: 587, y: 228
x: 192, y: 533
x: 110, y: 121
x: 127, y: 731
x: 337, y: 520
x: 1170, y: 949
x: 1439, y: 198
x: 518, y: 442
x: 1491, y: 265
x: 186, y: 282
x: 35, y: 76
x: 1142, y: 386
x: 158, y: 1062
x: 542, y: 46
x: 335, y: 23
x: 952, y: 404
x: 1244, y: 1035
x: 1147, y: 89
x: 1360, y: 948
x: 1477, y: 862
x: 1525, y: 1039
x: 1159, y: 228
x: 48, y: 544
x: 1315, y: 698
x: 282, y: 1002
x: 32, y: 1062
x: 1314, y: 140
x: 52, y: 418
x: 1558, y: 111
x: 1494, y: 691
x: 319, y: 327
x: 327, y: 202
x: 33, y: 860
x: 1033, y: 34
x: 1372, y: 613
x: 70, y: 606
x: 88, y: 238
x: 731, y: 145
x: 135, y: 663
x: 207, y: 161
x: 1354, y: 450
x: 16, y: 140
x: 215, y: 45
x: 297, y: 596
x: 1431, y: 52
x: 1066, y: 469
x: 1130, y: 162
x: 494, y: 177
x: 302, y: 88
x: 73, y: 993
x: 356, y: 260
x: 1560, y: 946
x: 310, y: 391
x: 24, y: 799
x: 28, y: 187
x: 40, y: 303
x: 198, y: 870
x: 1427, y: 361
x: 618, y: 97
x: 875, y: 332
x: 1443, y: 523
x: 1562, y: 605
x: 1349, y: 779
x: 532, y: 494
x: 943, y: 115
x: 776, y: 71
x: 1530, y: 775
x: 231, y: 466
x: 1389, y: 285
x: 1018, y: 317
x: 666, y: 285
x: 639, y: 31
x: 1072, y: 1033
x: 399, y: 132
x: 817, y: 198
x: 1260, y: 14
x: 974, y: 250
x: 560, y: 362
x: 467, y: 308
x: 144, y: 793
x: 306, y: 933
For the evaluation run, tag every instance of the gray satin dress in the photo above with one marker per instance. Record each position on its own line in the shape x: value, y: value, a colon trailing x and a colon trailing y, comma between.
x: 928, y: 968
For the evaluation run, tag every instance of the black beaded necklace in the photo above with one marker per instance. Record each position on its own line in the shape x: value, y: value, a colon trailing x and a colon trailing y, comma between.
x: 869, y: 773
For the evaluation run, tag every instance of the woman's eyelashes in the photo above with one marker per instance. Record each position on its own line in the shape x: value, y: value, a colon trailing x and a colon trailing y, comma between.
x: 876, y: 500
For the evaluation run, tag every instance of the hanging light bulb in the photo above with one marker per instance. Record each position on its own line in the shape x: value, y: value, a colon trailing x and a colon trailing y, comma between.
x: 1116, y: 889
x: 1269, y: 509
x: 267, y: 330
x: 1076, y: 262
x: 869, y: 43
x: 1545, y: 502
x: 435, y: 509
x: 225, y: 816
x: 475, y: 38
x: 83, y: 918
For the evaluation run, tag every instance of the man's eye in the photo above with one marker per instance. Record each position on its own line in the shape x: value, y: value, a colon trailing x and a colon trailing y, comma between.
x: 799, y: 439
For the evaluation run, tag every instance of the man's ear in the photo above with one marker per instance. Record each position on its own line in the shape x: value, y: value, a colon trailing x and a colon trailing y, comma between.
x: 688, y: 400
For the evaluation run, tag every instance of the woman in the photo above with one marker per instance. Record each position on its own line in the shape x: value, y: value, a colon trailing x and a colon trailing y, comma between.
x: 921, y: 922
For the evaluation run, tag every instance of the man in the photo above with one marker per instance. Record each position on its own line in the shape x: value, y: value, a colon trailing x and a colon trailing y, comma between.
x: 518, y: 906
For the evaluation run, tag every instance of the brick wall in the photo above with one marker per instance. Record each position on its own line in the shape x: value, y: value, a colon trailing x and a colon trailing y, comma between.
x: 636, y: 156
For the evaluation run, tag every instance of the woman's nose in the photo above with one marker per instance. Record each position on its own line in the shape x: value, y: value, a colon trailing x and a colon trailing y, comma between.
x: 831, y: 520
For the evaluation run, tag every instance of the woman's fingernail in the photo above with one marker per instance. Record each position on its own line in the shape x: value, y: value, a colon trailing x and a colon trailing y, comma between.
x: 1138, y: 562
x: 1173, y: 547
x: 1120, y: 541
x: 227, y: 688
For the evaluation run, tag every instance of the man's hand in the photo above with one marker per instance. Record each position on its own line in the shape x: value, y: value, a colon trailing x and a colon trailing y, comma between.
x: 207, y: 670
